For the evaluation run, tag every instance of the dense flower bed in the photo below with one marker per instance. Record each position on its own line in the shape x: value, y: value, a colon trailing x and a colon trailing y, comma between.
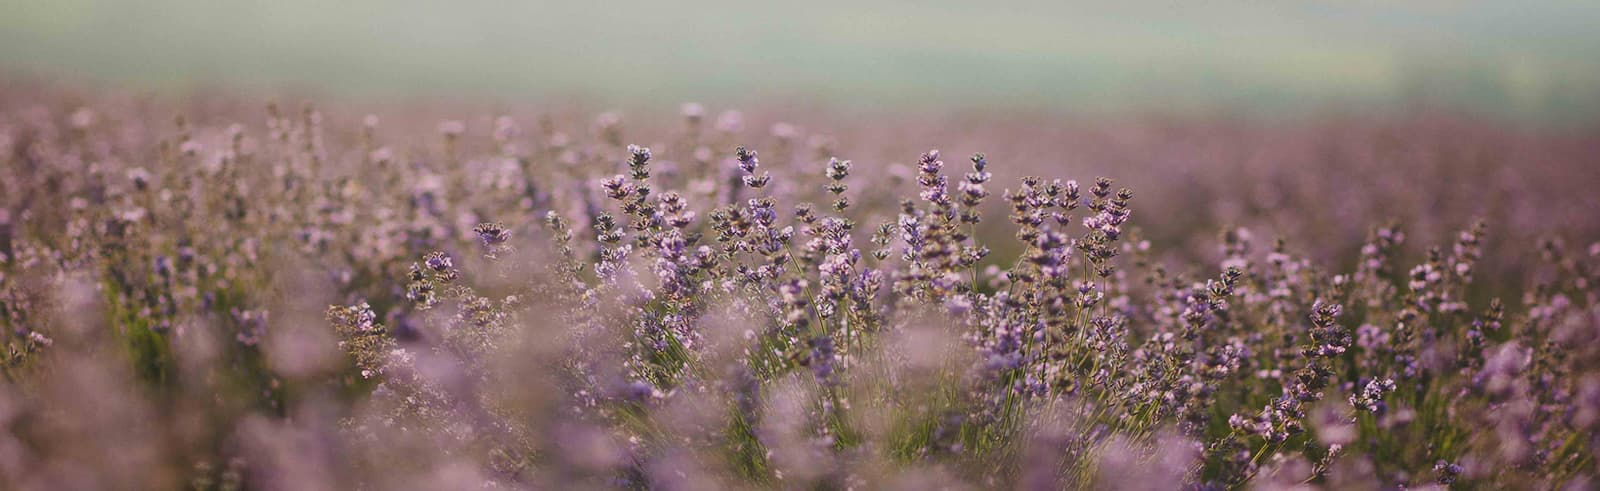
x: 716, y: 307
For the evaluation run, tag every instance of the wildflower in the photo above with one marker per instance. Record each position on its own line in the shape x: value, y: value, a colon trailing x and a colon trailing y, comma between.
x: 492, y: 234
x: 438, y: 261
x: 837, y: 171
x: 748, y: 163
x: 1370, y: 398
x: 494, y: 237
x: 1446, y: 472
x: 639, y: 162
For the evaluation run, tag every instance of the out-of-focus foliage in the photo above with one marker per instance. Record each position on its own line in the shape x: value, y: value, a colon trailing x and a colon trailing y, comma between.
x: 1527, y: 61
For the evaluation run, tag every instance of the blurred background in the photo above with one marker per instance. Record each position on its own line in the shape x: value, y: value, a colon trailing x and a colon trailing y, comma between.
x: 1530, y: 62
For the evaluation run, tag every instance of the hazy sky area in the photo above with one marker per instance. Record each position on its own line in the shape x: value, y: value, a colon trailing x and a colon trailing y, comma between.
x: 1525, y: 60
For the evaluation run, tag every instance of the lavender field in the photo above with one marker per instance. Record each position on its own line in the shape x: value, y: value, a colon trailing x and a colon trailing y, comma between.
x: 480, y: 246
x: 238, y: 294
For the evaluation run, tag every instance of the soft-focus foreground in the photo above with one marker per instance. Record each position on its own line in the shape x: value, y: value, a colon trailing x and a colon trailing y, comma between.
x: 271, y: 297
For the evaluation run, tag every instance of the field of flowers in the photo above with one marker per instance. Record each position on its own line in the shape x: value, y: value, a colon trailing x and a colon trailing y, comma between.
x: 214, y: 292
